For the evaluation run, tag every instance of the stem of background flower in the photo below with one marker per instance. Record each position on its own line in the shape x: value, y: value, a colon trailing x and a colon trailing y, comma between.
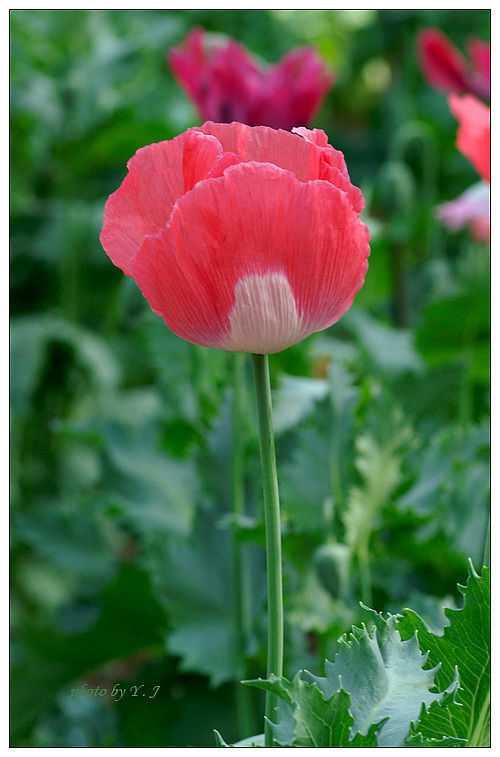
x: 363, y: 554
x: 196, y: 378
x: 240, y: 572
x: 71, y: 279
x: 398, y: 254
x: 273, y: 531
x: 466, y: 398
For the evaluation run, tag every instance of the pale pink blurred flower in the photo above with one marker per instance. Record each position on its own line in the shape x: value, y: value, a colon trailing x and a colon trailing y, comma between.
x: 472, y: 209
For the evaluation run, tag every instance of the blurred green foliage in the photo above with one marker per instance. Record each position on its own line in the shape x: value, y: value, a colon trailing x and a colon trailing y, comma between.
x: 121, y: 501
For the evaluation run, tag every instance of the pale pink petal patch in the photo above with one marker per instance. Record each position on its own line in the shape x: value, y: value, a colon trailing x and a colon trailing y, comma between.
x: 264, y: 318
x: 472, y: 208
x: 257, y: 274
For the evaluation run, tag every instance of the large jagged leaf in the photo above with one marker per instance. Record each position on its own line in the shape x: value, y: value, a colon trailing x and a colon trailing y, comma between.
x: 391, y: 350
x: 314, y: 478
x: 452, y: 484
x: 154, y: 491
x: 434, y: 723
x: 384, y: 676
x: 446, y: 742
x: 251, y: 741
x: 343, y: 397
x: 295, y: 399
x: 305, y: 484
x: 430, y: 609
x: 195, y: 586
x: 464, y: 645
x: 312, y: 608
x: 312, y: 719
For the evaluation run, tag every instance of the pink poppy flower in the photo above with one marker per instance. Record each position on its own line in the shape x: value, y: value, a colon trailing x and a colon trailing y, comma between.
x: 446, y: 68
x: 226, y: 84
x: 244, y: 239
x: 473, y: 138
x: 471, y: 209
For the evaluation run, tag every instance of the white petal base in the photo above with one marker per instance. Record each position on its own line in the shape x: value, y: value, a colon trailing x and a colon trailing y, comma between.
x: 264, y: 318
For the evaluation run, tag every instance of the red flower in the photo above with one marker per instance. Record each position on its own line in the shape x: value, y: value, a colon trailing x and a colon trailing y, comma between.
x: 446, y: 68
x: 473, y: 138
x: 245, y: 239
x: 479, y: 53
x: 226, y: 84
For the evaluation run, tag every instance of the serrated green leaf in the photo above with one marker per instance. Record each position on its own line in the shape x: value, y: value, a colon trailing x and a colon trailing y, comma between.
x: 378, y: 462
x: 343, y: 396
x: 250, y: 741
x: 294, y: 400
x: 155, y: 491
x: 446, y: 742
x: 464, y: 645
x: 312, y: 608
x: 305, y: 484
x: 312, y: 720
x: 195, y: 587
x: 391, y: 350
x: 219, y: 741
x: 384, y: 676
x: 430, y: 609
x: 158, y: 492
x: 452, y: 484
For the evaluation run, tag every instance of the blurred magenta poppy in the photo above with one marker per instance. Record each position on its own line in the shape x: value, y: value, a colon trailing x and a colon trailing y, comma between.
x: 226, y: 84
x: 446, y: 68
x: 245, y: 239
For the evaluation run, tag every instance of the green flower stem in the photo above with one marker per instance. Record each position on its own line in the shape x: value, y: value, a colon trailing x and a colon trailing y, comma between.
x: 197, y: 381
x: 273, y: 531
x: 364, y: 568
x: 240, y: 572
x: 71, y: 279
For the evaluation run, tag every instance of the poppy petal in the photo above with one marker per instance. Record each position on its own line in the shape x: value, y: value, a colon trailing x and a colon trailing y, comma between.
x: 158, y: 175
x: 259, y: 275
x: 306, y: 153
x: 473, y: 138
x: 442, y: 64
